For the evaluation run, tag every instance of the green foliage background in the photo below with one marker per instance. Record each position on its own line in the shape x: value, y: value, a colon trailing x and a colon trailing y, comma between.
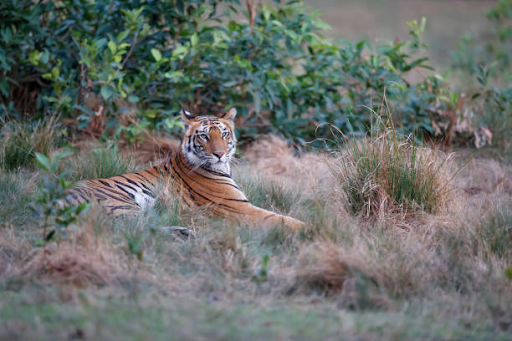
x: 133, y: 64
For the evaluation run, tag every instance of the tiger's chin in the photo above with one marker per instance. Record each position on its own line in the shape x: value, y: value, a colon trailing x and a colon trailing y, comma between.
x: 216, y: 166
x: 219, y: 166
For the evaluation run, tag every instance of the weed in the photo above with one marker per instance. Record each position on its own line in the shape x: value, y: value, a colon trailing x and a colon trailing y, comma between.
x: 48, y: 206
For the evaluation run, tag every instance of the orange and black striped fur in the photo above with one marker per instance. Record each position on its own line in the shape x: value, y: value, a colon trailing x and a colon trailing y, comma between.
x: 199, y: 171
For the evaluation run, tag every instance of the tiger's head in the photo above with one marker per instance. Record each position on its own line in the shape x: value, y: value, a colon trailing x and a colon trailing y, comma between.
x: 209, y: 141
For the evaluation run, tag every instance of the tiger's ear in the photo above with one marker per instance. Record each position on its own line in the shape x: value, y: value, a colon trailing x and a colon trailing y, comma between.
x: 186, y: 117
x: 229, y: 115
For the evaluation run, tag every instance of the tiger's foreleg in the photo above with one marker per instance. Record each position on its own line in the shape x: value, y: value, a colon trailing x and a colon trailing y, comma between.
x: 255, y: 215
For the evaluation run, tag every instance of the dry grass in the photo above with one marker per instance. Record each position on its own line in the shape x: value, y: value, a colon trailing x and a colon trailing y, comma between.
x: 390, y: 175
x: 443, y: 276
x: 80, y: 260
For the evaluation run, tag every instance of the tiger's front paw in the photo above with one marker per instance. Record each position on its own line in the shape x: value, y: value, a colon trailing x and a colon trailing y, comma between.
x: 180, y: 232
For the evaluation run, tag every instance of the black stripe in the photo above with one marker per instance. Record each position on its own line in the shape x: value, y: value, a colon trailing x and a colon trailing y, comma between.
x: 125, y: 207
x: 143, y: 178
x: 270, y: 215
x: 207, y: 177
x: 144, y: 190
x: 83, y: 197
x: 191, y: 189
x: 104, y: 183
x: 109, y: 195
x: 125, y: 185
x: 237, y: 200
x: 129, y: 180
x: 119, y: 185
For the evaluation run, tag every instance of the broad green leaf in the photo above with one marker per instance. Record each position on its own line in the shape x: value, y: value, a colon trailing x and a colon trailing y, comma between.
x: 43, y: 162
x: 174, y: 74
x: 107, y: 91
x: 112, y: 47
x: 194, y: 39
x: 179, y: 51
x: 156, y: 54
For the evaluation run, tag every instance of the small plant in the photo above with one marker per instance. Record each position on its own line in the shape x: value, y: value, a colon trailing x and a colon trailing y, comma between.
x: 13, y: 198
x: 269, y: 194
x: 48, y: 207
x: 261, y: 276
x: 135, y: 244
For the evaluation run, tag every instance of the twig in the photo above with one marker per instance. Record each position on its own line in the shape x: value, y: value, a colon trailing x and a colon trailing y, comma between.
x: 251, y: 7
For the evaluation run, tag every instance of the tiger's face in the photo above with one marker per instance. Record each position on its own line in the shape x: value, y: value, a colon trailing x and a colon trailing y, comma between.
x: 209, y: 141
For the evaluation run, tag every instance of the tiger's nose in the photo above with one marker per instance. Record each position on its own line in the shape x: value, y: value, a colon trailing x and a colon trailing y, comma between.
x: 218, y: 154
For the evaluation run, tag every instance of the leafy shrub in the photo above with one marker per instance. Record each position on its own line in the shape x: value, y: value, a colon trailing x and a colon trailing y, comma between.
x: 47, y: 206
x: 494, y: 48
x: 487, y: 60
x: 494, y: 111
x: 133, y: 64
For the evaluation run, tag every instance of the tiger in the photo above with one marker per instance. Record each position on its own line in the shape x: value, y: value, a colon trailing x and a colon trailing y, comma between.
x: 199, y: 171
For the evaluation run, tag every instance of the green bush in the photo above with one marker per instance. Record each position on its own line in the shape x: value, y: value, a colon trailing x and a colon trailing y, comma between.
x: 494, y: 47
x: 488, y: 61
x: 108, y: 61
x: 494, y: 111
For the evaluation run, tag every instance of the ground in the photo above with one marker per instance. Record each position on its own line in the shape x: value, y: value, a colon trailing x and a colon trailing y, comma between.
x: 441, y: 276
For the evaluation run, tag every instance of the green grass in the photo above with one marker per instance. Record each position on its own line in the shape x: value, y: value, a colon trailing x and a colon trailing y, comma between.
x: 100, y: 162
x: 192, y: 318
x: 442, y: 277
x: 21, y: 140
x: 14, y: 198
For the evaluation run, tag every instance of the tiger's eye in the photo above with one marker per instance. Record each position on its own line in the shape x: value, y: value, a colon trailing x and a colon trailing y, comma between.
x: 203, y: 136
x: 225, y: 134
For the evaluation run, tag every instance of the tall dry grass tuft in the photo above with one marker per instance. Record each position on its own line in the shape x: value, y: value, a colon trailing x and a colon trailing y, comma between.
x: 20, y: 141
x: 390, y: 175
x: 99, y: 162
